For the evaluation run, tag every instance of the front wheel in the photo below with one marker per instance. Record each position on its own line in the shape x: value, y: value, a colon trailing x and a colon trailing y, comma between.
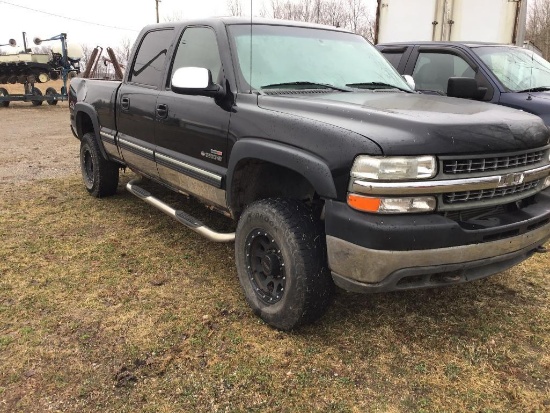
x: 281, y: 261
x: 100, y: 176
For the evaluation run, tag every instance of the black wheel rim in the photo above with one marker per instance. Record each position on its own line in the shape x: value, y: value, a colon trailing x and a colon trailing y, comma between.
x: 265, y: 266
x: 88, y: 168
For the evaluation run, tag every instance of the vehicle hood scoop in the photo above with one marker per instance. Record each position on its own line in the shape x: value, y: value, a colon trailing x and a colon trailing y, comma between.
x: 408, y: 123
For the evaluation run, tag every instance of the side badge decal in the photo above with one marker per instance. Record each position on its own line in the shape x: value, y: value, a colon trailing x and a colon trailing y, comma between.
x: 213, y: 154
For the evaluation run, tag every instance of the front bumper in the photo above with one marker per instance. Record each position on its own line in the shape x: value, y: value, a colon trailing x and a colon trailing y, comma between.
x: 368, y: 253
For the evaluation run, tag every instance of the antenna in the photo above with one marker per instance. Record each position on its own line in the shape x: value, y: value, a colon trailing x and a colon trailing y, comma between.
x: 250, y: 46
x: 529, y: 97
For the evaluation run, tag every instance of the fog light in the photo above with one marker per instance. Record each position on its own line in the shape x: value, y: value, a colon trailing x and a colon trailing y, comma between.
x: 546, y: 183
x: 397, y: 205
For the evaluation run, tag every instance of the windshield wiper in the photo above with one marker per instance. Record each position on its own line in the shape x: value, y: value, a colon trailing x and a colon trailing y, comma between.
x: 535, y: 89
x: 375, y: 85
x: 305, y: 83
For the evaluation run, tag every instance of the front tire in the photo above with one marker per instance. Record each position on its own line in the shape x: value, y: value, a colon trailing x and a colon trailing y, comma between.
x: 100, y: 176
x: 281, y: 261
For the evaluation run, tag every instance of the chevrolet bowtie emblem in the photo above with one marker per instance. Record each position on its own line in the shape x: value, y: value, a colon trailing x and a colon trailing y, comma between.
x: 511, y: 179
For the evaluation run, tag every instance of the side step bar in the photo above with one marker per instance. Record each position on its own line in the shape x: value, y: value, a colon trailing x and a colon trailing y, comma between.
x: 186, y: 219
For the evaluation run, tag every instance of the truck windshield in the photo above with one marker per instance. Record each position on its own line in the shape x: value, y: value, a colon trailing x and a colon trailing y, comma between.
x: 304, y: 58
x: 517, y: 69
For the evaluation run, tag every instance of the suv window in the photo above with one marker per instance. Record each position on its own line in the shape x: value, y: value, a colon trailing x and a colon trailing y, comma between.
x: 198, y: 48
x: 393, y: 57
x: 149, y: 63
x: 433, y: 70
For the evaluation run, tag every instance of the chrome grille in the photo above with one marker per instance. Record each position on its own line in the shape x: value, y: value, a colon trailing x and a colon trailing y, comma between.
x: 496, y: 163
x: 486, y: 194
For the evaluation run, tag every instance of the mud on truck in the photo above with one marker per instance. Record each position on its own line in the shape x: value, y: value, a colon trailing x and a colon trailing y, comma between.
x: 335, y: 171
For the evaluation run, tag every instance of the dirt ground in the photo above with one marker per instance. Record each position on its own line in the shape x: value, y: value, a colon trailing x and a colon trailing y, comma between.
x: 43, y: 146
x: 108, y: 306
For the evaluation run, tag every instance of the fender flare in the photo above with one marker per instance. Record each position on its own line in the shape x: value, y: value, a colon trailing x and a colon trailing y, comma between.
x: 311, y: 167
x: 92, y: 114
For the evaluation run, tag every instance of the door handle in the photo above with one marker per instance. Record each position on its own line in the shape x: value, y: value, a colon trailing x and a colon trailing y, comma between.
x: 125, y: 103
x: 162, y: 111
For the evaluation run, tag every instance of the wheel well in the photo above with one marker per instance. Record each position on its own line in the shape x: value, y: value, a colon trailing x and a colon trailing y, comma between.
x: 83, y: 124
x: 255, y: 179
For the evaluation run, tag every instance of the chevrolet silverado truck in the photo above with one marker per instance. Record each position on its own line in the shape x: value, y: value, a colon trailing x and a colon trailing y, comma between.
x: 334, y: 170
x: 498, y: 73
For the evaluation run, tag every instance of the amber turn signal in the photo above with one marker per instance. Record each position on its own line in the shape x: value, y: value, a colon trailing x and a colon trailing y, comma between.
x: 364, y: 203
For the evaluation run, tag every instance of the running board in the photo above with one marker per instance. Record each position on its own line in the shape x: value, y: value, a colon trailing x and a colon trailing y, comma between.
x: 180, y: 216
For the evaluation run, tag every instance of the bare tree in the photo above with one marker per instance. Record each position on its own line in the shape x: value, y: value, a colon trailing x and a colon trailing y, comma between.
x: 174, y: 17
x: 350, y: 14
x: 235, y: 7
x: 538, y: 26
x: 86, y: 55
x: 122, y: 52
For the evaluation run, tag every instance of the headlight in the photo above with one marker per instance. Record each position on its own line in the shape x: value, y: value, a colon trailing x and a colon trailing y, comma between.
x: 395, y: 168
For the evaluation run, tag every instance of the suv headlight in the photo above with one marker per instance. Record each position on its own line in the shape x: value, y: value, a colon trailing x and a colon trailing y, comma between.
x: 395, y: 168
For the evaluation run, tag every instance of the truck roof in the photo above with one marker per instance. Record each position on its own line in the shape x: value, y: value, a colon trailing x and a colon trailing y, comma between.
x: 231, y: 20
x: 449, y: 43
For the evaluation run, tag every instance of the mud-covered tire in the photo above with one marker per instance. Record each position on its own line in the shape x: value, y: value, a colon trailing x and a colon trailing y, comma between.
x: 51, y: 92
x: 36, y: 92
x: 280, y: 254
x: 100, y: 175
x: 6, y: 103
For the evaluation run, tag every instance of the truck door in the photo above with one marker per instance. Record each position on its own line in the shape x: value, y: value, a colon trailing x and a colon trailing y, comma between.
x: 431, y: 67
x: 136, y: 102
x: 191, y: 131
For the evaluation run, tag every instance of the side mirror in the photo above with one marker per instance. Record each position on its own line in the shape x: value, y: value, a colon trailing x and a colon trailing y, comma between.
x: 195, y: 81
x: 462, y: 87
x: 410, y: 81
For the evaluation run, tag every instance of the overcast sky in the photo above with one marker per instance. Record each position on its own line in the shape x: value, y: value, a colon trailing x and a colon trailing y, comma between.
x: 101, y: 22
x: 114, y: 19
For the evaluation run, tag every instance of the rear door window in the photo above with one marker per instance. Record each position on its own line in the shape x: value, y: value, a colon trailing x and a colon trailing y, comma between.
x: 148, y: 66
x: 393, y: 57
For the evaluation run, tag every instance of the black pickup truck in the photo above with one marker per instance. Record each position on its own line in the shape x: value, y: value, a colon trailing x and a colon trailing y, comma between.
x: 334, y: 169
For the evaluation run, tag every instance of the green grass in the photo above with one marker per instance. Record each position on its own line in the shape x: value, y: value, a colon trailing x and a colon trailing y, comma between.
x: 108, y: 305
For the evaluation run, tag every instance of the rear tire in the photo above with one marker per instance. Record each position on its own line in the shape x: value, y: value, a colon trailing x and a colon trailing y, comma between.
x: 281, y: 261
x: 100, y: 176
x: 4, y: 93
x: 36, y: 92
x: 50, y: 92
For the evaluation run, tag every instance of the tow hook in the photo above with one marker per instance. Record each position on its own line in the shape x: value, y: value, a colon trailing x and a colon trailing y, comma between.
x: 541, y: 250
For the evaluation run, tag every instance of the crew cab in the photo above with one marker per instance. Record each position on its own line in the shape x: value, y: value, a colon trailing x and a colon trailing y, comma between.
x: 334, y: 170
x: 502, y: 74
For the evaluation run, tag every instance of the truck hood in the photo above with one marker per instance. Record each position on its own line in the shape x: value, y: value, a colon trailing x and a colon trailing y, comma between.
x: 408, y: 124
